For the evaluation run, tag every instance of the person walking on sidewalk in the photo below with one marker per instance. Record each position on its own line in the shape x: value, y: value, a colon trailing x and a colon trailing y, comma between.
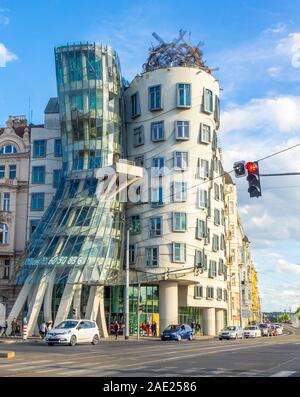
x: 5, y: 328
x: 43, y: 330
x: 116, y: 328
x: 13, y: 327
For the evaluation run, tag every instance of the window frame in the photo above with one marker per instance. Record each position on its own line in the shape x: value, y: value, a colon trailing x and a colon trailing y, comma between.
x: 154, y: 125
x: 174, y: 229
x: 183, y: 127
x: 184, y: 160
x: 147, y: 249
x: 138, y: 132
x: 135, y: 105
x: 34, y: 148
x: 34, y: 194
x: 38, y: 168
x: 185, y: 105
x: 208, y: 133
x: 152, y: 232
x: 156, y: 107
x: 210, y: 108
x: 182, y: 245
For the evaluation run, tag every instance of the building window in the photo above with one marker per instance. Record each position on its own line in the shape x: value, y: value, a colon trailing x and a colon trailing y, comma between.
x: 179, y: 192
x: 57, y: 175
x: 202, y: 198
x: 3, y: 233
x: 232, y: 231
x: 6, y: 273
x: 37, y: 201
x: 155, y: 98
x: 200, y: 260
x: 182, y: 130
x: 152, y: 257
x: 39, y: 148
x: 201, y: 229
x: 217, y: 217
x: 231, y: 207
x: 222, y: 242
x: 212, y: 272
x: 12, y: 171
x: 225, y: 295
x: 157, y: 199
x: 2, y: 171
x: 157, y: 131
x: 217, y: 191
x: 6, y: 201
x: 209, y: 293
x: 219, y: 294
x: 135, y: 105
x: 181, y: 160
x: 138, y: 136
x: 33, y: 225
x: 205, y: 133
x: 158, y: 164
x: 135, y: 224
x: 203, y: 168
x: 208, y: 105
x: 198, y: 291
x: 74, y: 185
x: 38, y: 175
x: 57, y: 148
x: 215, y: 243
x: 179, y: 221
x: 179, y: 253
x: 221, y: 268
x: 8, y: 149
x: 155, y: 227
x: 132, y: 254
x: 183, y: 95
x: 139, y: 161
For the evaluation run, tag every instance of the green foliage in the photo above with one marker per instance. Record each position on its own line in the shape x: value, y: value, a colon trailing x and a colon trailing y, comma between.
x: 284, y: 317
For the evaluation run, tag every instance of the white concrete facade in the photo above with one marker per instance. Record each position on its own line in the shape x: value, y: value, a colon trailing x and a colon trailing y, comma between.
x: 50, y: 133
x: 182, y: 271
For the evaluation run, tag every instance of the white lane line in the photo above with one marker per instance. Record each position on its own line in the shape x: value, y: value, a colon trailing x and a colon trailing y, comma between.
x: 24, y: 369
x: 77, y: 372
x: 283, y: 374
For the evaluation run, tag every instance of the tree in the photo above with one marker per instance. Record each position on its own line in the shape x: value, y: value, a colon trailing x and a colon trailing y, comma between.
x: 284, y: 317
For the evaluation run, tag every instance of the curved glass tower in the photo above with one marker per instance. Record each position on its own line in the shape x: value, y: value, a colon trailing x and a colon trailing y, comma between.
x: 78, y: 241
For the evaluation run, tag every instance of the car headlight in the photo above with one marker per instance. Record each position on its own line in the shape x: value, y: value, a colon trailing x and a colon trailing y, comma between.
x: 66, y: 332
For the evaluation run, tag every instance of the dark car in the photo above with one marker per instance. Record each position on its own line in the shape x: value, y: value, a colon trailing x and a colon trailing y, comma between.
x: 178, y: 332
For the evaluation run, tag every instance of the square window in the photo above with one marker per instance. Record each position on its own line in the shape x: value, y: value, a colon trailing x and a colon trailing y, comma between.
x: 158, y: 164
x: 157, y: 131
x: 39, y: 148
x: 181, y: 160
x: 179, y: 253
x: 179, y: 221
x: 139, y: 161
x: 184, y: 95
x: 138, y: 136
x: 208, y: 105
x: 152, y: 257
x: 135, y: 224
x: 205, y: 133
x: 179, y: 192
x: 182, y: 129
x: 38, y: 175
x: 155, y: 227
x: 155, y: 98
x: 37, y: 201
x: 198, y: 291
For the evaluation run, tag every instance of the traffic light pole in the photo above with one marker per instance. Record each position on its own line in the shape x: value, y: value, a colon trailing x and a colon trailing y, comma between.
x: 127, y: 286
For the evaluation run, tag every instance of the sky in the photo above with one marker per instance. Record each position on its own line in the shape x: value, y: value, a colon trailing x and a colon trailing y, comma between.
x: 256, y: 45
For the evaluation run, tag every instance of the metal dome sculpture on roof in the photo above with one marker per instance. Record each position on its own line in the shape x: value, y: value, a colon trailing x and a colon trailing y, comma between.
x: 176, y: 53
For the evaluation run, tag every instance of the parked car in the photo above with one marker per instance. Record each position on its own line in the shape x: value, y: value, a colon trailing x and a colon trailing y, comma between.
x: 264, y: 329
x: 279, y: 328
x: 252, y: 331
x: 177, y: 332
x: 72, y: 332
x: 231, y: 332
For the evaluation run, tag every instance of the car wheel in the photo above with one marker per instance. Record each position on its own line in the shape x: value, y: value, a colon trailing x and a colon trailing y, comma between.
x: 95, y: 340
x: 73, y: 340
x: 178, y: 337
x: 50, y: 344
x: 220, y: 338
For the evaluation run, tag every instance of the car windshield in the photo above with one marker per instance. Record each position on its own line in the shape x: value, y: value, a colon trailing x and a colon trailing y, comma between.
x: 172, y: 328
x: 67, y: 324
x: 229, y: 329
x: 263, y: 325
x: 250, y: 328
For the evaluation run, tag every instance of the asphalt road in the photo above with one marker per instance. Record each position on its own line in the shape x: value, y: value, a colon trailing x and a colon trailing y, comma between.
x: 262, y: 357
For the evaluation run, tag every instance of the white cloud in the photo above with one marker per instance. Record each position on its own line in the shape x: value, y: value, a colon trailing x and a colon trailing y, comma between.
x: 281, y: 113
x: 288, y: 268
x: 6, y: 55
x: 278, y: 28
x: 4, y: 20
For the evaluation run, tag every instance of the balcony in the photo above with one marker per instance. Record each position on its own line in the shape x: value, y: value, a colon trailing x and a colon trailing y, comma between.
x: 8, y: 182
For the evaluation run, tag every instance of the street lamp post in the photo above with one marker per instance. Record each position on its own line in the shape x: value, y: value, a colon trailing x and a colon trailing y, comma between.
x: 126, y: 297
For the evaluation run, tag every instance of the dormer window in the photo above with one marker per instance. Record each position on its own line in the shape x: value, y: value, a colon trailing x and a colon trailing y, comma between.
x: 8, y: 149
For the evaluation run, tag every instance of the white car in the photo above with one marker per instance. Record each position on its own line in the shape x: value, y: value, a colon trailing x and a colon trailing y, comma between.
x: 252, y: 331
x: 279, y: 328
x: 72, y: 332
x: 231, y: 332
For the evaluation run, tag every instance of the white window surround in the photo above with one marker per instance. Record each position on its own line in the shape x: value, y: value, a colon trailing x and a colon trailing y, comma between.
x: 138, y: 136
x: 202, y: 198
x: 182, y: 130
x: 181, y: 161
x: 157, y: 131
x: 179, y: 252
x: 205, y: 133
x: 181, y: 219
x: 208, y: 101
x: 152, y: 256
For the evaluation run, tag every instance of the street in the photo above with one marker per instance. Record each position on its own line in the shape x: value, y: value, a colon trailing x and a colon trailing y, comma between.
x: 262, y: 357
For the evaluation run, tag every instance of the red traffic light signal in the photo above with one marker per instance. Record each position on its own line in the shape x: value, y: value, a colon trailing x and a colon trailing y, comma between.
x: 252, y: 167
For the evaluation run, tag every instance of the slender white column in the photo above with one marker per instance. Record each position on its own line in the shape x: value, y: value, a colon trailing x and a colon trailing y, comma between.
x: 209, y: 321
x: 77, y: 300
x: 168, y: 304
x: 19, y: 304
x: 95, y: 308
x: 48, y: 297
x: 67, y: 298
x: 219, y: 320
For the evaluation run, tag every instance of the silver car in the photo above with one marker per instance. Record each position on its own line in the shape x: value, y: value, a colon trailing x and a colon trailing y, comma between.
x: 231, y: 332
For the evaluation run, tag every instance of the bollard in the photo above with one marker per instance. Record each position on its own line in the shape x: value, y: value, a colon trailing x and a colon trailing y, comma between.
x: 25, y: 331
x: 7, y: 354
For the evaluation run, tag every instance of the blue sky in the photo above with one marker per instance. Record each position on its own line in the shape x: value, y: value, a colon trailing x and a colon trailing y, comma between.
x: 256, y: 44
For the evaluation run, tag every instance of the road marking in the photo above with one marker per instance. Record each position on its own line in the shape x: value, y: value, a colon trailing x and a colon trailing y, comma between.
x: 283, y: 374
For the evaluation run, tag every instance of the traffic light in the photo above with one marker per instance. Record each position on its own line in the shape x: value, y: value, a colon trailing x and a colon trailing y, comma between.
x: 254, y: 179
x: 239, y: 169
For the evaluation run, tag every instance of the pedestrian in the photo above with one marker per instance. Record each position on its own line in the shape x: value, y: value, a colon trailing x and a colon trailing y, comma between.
x: 13, y: 327
x: 148, y: 329
x: 154, y: 328
x: 43, y: 330
x: 5, y: 328
x: 49, y: 325
x: 116, y: 328
x: 193, y: 326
